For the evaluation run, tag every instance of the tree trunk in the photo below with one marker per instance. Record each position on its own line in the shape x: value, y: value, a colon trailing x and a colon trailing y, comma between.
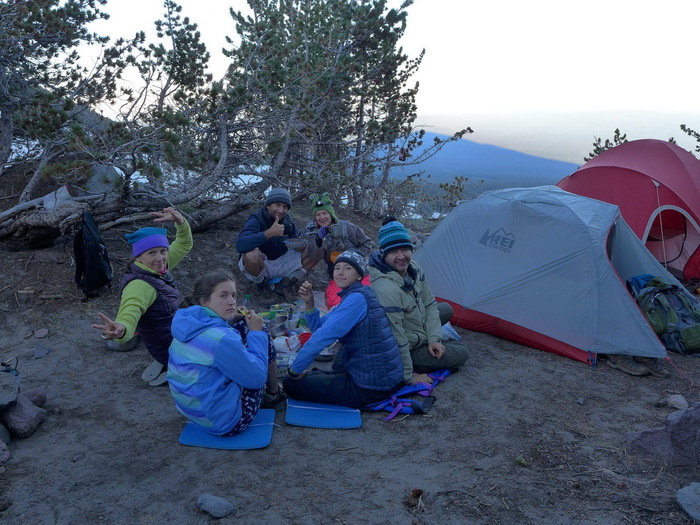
x: 279, y: 162
x: 34, y: 181
x: 5, y: 135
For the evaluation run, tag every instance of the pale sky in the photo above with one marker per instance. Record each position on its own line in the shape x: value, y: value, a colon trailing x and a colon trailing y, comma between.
x: 541, y: 76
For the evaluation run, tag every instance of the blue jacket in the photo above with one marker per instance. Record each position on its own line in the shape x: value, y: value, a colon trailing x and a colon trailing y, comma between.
x: 370, y: 353
x: 209, y: 367
x: 253, y: 235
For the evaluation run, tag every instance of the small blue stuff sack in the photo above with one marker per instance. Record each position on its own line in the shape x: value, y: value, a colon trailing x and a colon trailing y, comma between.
x: 400, y: 401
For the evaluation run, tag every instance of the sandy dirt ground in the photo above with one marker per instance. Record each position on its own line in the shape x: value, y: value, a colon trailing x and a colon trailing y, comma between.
x: 519, y: 436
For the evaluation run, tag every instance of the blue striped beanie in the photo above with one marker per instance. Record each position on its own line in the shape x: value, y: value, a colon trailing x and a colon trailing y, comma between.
x: 392, y: 236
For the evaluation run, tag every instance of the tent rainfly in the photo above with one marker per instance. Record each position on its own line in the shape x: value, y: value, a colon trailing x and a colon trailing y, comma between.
x: 656, y: 184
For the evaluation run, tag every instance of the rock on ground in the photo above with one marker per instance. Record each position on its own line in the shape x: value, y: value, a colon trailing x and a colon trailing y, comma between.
x: 689, y: 499
x: 214, y: 505
x: 9, y: 389
x: 676, y: 444
x: 22, y: 417
x: 4, y: 452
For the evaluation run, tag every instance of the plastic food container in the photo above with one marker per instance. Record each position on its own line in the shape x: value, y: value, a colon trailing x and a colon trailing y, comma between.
x: 293, y: 343
x: 287, y: 345
x: 281, y: 309
x: 284, y: 361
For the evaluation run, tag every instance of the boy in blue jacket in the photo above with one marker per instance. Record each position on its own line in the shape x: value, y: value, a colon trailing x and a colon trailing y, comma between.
x: 371, y: 366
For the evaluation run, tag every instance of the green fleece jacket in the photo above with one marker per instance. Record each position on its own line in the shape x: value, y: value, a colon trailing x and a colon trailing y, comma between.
x: 410, y: 305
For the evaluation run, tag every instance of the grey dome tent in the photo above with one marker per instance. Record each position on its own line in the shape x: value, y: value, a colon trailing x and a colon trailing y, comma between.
x: 544, y: 268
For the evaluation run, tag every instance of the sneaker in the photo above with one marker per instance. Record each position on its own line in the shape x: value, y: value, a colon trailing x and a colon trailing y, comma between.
x: 269, y: 302
x: 160, y: 380
x: 652, y: 364
x: 627, y: 364
x: 153, y: 370
x: 270, y: 400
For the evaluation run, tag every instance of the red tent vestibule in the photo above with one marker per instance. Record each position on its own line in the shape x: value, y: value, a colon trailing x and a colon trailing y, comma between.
x: 656, y: 185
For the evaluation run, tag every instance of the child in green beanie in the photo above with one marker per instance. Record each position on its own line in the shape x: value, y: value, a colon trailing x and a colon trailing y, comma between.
x: 329, y: 237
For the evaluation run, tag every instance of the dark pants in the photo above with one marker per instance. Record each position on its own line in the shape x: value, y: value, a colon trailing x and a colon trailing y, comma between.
x: 456, y: 353
x: 158, y: 348
x: 332, y: 388
x: 446, y: 312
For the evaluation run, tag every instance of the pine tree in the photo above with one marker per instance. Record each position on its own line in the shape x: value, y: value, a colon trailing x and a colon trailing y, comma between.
x: 43, y: 86
x: 327, y: 84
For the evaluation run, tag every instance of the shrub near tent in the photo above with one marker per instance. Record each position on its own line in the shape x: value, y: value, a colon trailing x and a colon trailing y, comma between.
x: 544, y: 268
x: 656, y: 184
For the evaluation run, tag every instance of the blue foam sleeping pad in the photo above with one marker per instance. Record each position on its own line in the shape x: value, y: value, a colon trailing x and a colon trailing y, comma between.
x: 320, y: 415
x: 257, y: 435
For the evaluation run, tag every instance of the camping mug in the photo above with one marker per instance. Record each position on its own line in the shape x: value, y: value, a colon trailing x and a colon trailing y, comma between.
x: 339, y: 230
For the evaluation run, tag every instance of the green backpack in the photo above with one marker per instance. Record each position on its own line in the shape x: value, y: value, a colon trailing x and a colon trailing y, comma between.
x: 673, y: 313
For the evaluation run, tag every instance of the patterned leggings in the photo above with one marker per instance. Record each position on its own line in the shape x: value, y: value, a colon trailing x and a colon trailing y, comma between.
x: 250, y: 399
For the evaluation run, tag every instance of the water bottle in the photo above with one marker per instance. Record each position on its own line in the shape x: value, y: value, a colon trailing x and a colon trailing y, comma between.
x: 246, y: 305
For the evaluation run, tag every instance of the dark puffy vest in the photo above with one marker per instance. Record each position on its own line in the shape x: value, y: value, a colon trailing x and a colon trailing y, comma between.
x: 370, y: 352
x: 154, y: 325
x: 274, y: 248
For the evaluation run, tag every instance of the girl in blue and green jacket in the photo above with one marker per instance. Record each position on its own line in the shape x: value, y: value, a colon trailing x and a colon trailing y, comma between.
x: 218, y: 381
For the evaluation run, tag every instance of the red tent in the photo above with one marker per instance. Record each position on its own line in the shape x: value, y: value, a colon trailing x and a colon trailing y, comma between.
x: 656, y: 184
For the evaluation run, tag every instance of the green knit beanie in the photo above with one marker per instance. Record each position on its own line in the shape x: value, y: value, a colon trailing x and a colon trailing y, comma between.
x: 322, y: 202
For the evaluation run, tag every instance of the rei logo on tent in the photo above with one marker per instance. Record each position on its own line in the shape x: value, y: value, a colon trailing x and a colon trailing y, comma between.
x: 499, y: 240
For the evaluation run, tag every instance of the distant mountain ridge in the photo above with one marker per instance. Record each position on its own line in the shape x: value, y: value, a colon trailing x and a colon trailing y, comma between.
x: 491, y: 166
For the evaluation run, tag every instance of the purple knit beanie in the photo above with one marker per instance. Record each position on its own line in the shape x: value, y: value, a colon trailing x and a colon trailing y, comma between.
x: 147, y: 238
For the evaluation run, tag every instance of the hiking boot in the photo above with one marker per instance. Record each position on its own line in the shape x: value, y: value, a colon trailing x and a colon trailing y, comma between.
x: 627, y: 364
x: 652, y: 364
x: 265, y: 295
x: 289, y: 289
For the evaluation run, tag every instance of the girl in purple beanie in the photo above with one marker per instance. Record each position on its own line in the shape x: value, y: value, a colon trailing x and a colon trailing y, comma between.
x: 149, y: 297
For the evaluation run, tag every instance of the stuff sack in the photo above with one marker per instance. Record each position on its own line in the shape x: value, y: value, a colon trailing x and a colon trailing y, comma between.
x: 400, y: 402
x: 93, y: 269
x: 671, y: 311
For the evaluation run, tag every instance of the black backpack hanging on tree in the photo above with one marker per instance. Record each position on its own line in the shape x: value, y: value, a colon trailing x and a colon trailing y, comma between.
x: 93, y: 269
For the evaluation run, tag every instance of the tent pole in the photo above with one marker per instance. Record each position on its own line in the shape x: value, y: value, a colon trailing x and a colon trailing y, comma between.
x: 661, y: 224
